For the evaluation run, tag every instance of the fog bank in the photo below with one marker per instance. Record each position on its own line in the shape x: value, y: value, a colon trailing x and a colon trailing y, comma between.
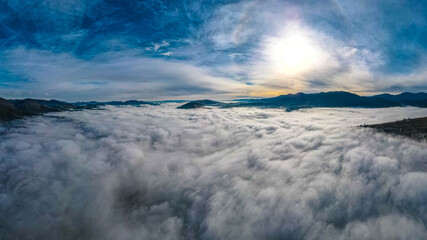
x: 158, y: 172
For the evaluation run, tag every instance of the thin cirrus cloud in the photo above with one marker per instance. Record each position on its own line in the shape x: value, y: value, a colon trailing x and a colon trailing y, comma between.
x: 361, y: 46
x: 158, y: 172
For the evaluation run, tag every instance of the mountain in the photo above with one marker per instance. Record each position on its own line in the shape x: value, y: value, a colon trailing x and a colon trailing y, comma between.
x: 8, y: 111
x: 114, y: 103
x: 50, y: 104
x: 407, y: 98
x: 414, y: 128
x: 302, y: 100
x: 18, y: 108
x: 201, y: 103
x: 33, y: 106
x: 326, y: 99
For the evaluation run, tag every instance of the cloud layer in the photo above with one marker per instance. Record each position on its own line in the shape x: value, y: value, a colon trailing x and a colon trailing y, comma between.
x: 161, y: 173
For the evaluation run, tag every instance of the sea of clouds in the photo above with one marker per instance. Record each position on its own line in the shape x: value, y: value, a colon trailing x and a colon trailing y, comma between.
x: 158, y: 172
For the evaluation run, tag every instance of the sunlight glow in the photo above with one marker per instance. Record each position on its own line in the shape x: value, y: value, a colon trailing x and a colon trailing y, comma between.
x: 291, y: 55
x: 294, y: 51
x: 291, y: 58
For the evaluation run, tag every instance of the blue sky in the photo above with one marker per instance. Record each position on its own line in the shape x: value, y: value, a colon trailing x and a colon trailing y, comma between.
x: 104, y: 50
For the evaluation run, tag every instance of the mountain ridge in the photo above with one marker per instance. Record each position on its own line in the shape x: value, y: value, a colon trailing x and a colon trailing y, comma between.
x: 18, y: 108
x: 406, y: 98
x: 322, y: 99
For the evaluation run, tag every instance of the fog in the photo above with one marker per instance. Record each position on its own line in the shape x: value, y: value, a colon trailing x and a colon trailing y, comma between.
x: 158, y: 172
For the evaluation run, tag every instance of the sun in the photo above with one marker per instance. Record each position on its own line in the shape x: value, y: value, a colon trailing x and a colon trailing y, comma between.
x: 290, y: 55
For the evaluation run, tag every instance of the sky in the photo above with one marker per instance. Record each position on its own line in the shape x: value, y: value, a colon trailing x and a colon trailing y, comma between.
x: 77, y: 50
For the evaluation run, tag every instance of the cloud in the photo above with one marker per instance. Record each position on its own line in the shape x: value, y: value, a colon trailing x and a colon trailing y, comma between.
x: 158, y: 172
x: 362, y: 46
x: 381, y: 55
x: 108, y: 76
x: 323, y: 62
x: 157, y: 46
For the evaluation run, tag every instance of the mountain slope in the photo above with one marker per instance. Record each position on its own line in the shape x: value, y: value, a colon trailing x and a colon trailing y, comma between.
x: 18, y: 108
x: 201, y: 103
x: 302, y: 100
x: 328, y: 99
x: 114, y: 103
x: 8, y: 111
x: 414, y: 128
x: 407, y: 98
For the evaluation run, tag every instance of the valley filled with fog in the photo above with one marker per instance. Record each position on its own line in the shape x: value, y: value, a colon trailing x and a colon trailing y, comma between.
x: 157, y: 172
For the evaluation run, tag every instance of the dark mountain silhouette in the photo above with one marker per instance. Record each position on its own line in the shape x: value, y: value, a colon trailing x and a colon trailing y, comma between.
x: 407, y: 98
x: 27, y: 107
x: 18, y: 108
x: 302, y: 100
x: 51, y: 104
x: 326, y: 99
x: 201, y: 103
x: 8, y: 111
x: 114, y: 103
x: 33, y: 106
